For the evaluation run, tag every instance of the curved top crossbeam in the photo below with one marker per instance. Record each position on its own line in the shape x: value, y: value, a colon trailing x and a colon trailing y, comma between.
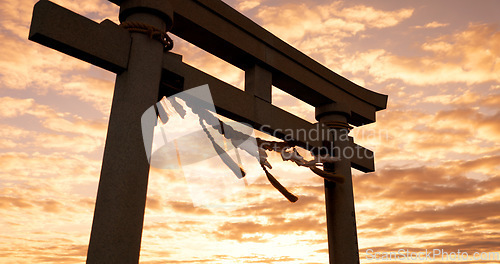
x: 221, y: 30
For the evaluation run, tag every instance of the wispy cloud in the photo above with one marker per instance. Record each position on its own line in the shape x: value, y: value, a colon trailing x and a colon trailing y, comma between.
x: 247, y: 5
x: 296, y: 21
x: 433, y: 24
x: 470, y: 56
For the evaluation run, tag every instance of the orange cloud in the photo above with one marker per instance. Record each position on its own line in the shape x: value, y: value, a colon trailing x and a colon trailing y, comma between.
x: 444, y: 183
x: 294, y: 22
x: 470, y: 56
x: 433, y: 24
x: 247, y: 5
x: 61, y: 122
x: 373, y: 17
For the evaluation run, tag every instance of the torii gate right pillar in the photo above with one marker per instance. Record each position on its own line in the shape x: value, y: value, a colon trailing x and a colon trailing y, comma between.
x: 339, y: 198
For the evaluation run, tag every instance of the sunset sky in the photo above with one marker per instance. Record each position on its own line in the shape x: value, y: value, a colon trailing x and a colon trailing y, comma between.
x: 437, y: 145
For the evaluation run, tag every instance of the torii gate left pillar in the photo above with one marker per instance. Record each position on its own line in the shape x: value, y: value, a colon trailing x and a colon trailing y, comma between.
x: 137, y: 59
x: 121, y: 198
x: 119, y: 210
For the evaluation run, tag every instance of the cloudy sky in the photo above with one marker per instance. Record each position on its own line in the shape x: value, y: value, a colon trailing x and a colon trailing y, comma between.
x: 437, y: 184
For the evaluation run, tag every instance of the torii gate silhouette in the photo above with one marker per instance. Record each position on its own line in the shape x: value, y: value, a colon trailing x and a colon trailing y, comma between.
x: 147, y: 72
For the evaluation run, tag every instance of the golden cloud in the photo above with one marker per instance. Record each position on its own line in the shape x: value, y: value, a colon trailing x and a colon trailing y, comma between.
x: 433, y: 24
x: 373, y: 17
x: 247, y: 5
x: 294, y: 21
x: 471, y: 56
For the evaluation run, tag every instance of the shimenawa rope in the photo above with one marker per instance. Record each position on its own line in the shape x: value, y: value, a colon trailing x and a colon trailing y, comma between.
x: 151, y: 31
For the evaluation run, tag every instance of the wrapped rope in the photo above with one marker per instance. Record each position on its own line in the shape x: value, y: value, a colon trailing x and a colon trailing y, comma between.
x: 295, y: 157
x: 151, y: 31
x: 338, y: 125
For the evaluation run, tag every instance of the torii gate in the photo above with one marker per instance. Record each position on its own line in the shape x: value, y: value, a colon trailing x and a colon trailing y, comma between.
x: 146, y: 72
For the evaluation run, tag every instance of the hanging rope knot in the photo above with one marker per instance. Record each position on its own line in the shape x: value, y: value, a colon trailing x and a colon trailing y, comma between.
x: 151, y: 31
x: 287, y: 149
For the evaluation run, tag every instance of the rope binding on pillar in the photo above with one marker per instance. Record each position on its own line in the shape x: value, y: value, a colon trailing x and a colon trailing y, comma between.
x: 338, y: 125
x: 151, y: 31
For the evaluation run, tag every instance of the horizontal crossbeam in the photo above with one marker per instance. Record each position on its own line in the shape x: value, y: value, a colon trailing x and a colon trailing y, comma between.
x: 244, y: 107
x: 68, y: 32
x: 105, y: 45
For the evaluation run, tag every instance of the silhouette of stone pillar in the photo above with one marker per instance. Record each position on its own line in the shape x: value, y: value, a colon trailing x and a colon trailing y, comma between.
x: 121, y: 198
x: 339, y: 198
